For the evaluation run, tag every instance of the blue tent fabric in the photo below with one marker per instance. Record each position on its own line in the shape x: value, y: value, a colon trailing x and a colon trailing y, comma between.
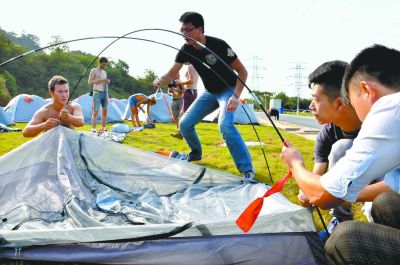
x: 160, y: 112
x: 113, y: 112
x: 4, y: 117
x: 120, y: 103
x: 240, y: 115
x: 22, y: 107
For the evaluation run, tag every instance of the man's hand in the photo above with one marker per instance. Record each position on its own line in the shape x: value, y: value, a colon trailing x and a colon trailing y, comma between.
x: 64, y: 115
x: 108, y: 81
x: 303, y: 200
x: 50, y: 123
x: 233, y: 103
x: 290, y: 156
x: 156, y: 83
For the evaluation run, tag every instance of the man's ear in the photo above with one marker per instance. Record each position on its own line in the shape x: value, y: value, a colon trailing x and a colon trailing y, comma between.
x: 369, y: 89
x: 339, y: 103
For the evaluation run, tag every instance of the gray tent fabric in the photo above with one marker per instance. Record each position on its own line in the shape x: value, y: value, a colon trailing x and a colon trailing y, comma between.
x: 71, y: 197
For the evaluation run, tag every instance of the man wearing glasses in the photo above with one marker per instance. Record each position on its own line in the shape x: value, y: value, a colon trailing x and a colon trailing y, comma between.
x: 223, y: 90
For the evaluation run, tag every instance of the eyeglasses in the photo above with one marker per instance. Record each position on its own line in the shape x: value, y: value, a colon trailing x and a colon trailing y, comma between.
x: 186, y: 31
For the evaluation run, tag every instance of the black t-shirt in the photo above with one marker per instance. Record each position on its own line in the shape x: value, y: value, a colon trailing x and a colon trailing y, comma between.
x: 211, y: 81
x: 328, y: 135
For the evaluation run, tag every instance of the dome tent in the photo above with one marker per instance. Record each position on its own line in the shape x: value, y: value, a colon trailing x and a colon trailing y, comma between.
x: 4, y: 117
x: 145, y: 209
x: 113, y: 112
x: 22, y: 107
x: 160, y: 112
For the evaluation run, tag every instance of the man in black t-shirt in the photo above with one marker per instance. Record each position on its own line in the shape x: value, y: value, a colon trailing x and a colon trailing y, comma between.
x: 223, y: 90
x: 341, y: 125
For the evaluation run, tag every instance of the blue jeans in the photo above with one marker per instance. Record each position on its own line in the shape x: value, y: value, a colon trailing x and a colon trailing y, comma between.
x: 201, y: 107
x: 100, y: 98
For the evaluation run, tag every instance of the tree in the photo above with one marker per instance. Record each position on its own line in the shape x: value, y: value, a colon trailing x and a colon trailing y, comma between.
x: 59, y: 48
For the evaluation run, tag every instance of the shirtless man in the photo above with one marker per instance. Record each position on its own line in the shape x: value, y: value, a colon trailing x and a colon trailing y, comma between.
x: 55, y: 113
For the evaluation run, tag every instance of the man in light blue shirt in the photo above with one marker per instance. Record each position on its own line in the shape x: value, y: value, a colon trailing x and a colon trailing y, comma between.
x: 372, y: 83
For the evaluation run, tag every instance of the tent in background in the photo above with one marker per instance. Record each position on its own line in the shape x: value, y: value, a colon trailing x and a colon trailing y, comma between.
x: 4, y: 117
x: 160, y: 112
x: 22, y: 107
x: 240, y: 115
x: 113, y: 112
x: 120, y: 103
x: 114, y: 204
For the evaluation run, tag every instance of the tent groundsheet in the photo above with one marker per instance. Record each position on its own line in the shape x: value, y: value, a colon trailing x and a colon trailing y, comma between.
x: 71, y: 197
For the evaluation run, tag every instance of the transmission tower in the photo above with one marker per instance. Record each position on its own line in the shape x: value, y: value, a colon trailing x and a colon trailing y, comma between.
x: 255, y: 73
x: 298, y: 80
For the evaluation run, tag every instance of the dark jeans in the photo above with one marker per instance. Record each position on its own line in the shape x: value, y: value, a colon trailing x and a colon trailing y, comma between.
x: 189, y: 97
x: 355, y: 242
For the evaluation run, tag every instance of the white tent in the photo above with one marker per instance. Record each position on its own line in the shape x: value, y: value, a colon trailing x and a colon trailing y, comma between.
x: 83, y: 199
x: 244, y: 114
x: 22, y: 107
x: 113, y: 112
x: 120, y: 103
x: 5, y: 118
x: 160, y: 112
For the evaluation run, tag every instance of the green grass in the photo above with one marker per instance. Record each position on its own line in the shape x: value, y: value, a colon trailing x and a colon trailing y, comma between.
x: 214, y: 155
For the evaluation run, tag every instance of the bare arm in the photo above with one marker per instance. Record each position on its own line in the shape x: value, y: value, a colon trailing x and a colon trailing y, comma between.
x: 39, y: 123
x: 75, y: 118
x: 168, y: 77
x: 370, y: 192
x: 242, y: 73
x: 307, y: 181
x: 319, y: 169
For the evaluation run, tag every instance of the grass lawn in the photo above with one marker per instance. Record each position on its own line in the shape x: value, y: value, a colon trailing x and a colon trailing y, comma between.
x: 214, y: 155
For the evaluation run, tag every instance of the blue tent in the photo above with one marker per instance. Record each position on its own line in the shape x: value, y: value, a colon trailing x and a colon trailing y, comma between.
x: 22, y: 107
x: 160, y: 112
x: 4, y: 117
x: 244, y: 114
x: 113, y: 112
x: 120, y: 103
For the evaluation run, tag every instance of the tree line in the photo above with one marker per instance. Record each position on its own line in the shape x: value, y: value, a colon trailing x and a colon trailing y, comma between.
x: 289, y: 103
x: 30, y: 74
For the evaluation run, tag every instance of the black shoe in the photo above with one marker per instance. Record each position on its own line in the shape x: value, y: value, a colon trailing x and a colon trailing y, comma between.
x: 177, y: 135
x: 193, y: 158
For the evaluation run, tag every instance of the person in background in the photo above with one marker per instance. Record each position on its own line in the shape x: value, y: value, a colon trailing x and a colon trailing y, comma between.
x: 57, y: 112
x: 135, y: 102
x: 190, y: 91
x: 99, y: 83
x: 176, y: 91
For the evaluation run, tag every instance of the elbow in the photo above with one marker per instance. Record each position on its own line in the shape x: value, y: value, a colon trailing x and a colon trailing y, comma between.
x: 26, y: 133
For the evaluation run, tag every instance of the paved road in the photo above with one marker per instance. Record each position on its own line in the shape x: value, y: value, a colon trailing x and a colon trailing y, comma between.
x: 309, y: 122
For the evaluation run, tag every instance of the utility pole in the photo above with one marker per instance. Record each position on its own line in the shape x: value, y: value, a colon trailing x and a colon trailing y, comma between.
x: 298, y: 80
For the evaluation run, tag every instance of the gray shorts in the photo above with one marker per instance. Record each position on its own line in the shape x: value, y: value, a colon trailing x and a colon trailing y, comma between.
x: 176, y: 108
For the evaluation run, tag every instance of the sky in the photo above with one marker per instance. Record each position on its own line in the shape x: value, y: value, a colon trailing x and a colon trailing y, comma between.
x: 271, y: 38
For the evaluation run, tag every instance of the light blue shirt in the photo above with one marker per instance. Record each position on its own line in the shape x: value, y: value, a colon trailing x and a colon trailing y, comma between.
x: 375, y: 153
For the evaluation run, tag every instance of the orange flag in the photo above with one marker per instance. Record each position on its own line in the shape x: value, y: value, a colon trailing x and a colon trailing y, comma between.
x: 249, y: 216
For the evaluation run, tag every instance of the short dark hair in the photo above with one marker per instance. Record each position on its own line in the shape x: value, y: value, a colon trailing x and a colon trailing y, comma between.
x: 377, y: 62
x: 330, y: 76
x: 57, y: 80
x: 103, y: 60
x: 192, y: 17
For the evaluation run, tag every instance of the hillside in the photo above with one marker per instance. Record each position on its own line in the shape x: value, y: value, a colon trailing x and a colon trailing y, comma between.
x: 30, y: 74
